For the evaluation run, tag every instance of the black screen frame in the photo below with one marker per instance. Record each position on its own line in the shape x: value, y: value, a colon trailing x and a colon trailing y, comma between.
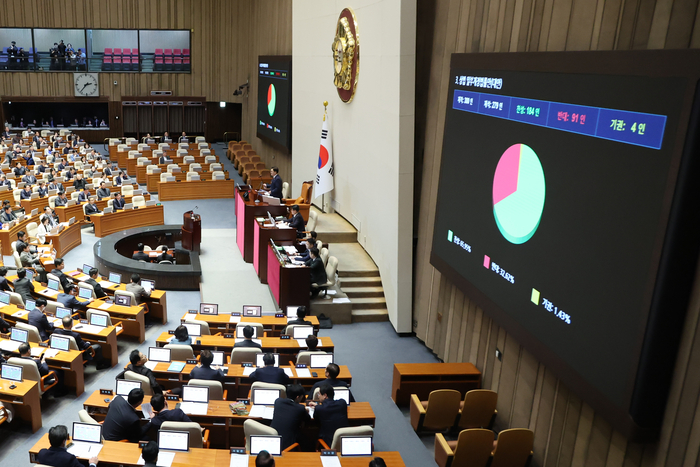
x: 287, y: 147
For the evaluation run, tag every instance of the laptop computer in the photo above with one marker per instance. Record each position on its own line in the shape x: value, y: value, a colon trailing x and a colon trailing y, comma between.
x: 108, y: 210
x: 124, y: 387
x: 174, y: 440
x: 128, y: 206
x: 123, y: 300
x: 195, y: 399
x: 322, y: 360
x: 29, y: 305
x: 356, y: 446
x: 51, y: 288
x: 60, y: 342
x: 252, y: 310
x: 292, y: 312
x: 259, y: 360
x: 261, y: 396
x: 194, y: 330
x: 269, y: 443
x: 11, y: 372
x: 302, y: 332
x: 341, y: 393
x: 84, y: 292
x: 86, y: 269
x: 62, y: 312
x: 208, y: 309
x: 113, y: 279
x: 148, y: 285
x: 98, y: 319
x: 87, y: 440
x: 157, y: 354
x: 34, y: 212
x: 4, y: 298
x: 271, y: 219
x: 218, y: 357
x: 241, y: 326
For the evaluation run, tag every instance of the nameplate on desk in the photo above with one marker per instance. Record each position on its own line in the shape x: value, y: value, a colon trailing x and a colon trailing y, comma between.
x: 171, y: 332
x: 191, y: 361
x: 228, y: 336
x: 285, y: 336
x: 279, y: 315
x: 5, y: 336
x: 143, y: 444
x: 246, y: 364
x: 43, y: 344
x: 329, y: 452
x: 238, y: 451
x: 106, y: 392
x: 301, y: 365
x: 235, y: 314
x: 171, y: 397
x: 84, y: 321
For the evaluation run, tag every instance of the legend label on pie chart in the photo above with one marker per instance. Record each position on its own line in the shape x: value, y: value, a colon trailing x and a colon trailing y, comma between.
x: 518, y: 193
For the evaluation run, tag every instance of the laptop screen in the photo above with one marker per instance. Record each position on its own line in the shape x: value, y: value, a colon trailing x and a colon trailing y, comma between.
x: 292, y: 312
x: 193, y: 329
x: 60, y: 342
x: 218, y: 358
x: 271, y: 444
x: 19, y: 335
x: 123, y: 300
x: 29, y: 305
x: 98, y: 319
x: 5, y: 298
x: 62, y: 312
x: 320, y: 360
x: 86, y: 269
x: 239, y: 331
x: 30, y: 275
x: 259, y: 362
x: 84, y: 292
x: 148, y: 285
x: 302, y: 332
x: 158, y: 354
x: 124, y: 387
x: 195, y: 393
x: 265, y: 396
x: 87, y: 432
x: 356, y: 446
x: 208, y: 309
x: 53, y: 284
x: 174, y: 440
x: 252, y: 310
x: 341, y: 393
x: 11, y: 372
x: 114, y: 277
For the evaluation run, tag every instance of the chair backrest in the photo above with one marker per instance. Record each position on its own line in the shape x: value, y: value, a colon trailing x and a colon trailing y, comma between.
x: 331, y: 269
x: 30, y: 370
x: 473, y: 448
x: 139, y: 200
x: 127, y: 190
x: 262, y: 385
x: 313, y: 219
x: 251, y: 427
x: 306, y: 189
x: 142, y: 161
x: 192, y: 176
x: 51, y: 306
x: 324, y: 256
x: 85, y: 417
x: 52, y: 201
x: 285, y: 190
x: 18, y: 262
x: 145, y: 382
x: 244, y: 354
x: 513, y: 448
x: 74, y: 195
x: 216, y: 389
x: 85, y: 285
x: 443, y: 406
x: 195, y: 165
x: 91, y: 312
x: 164, y: 176
x: 362, y: 430
x: 32, y: 331
x: 214, y: 167
x: 16, y: 299
x: 193, y: 428
x: 180, y: 352
x: 204, y: 326
x: 218, y: 175
x: 32, y: 229
x: 151, y: 168
x: 478, y: 409
x: 208, y: 159
x: 172, y: 167
x: 304, y: 357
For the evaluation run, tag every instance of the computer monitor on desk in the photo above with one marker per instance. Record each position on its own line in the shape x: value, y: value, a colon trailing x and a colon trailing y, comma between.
x: 271, y: 219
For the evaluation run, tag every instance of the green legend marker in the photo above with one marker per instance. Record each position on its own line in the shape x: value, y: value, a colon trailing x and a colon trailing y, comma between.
x: 535, y: 298
x: 449, y: 236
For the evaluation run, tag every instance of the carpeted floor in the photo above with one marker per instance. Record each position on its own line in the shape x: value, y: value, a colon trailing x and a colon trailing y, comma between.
x: 369, y: 349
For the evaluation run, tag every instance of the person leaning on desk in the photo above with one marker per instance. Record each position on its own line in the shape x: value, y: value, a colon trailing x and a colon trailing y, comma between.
x: 122, y: 421
x: 57, y: 455
x: 137, y: 361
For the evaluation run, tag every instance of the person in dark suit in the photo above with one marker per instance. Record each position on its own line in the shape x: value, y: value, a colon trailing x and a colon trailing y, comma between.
x: 29, y: 178
x: 140, y: 255
x: 79, y: 182
x: 8, y: 215
x: 269, y: 373
x: 4, y: 285
x: 332, y: 372
x: 59, y: 266
x: 204, y: 370
x: 4, y: 181
x: 100, y: 362
x: 61, y: 200
x: 68, y: 300
x: 122, y: 421
x: 248, y: 339
x: 23, y: 285
x: 162, y: 414
x: 275, y: 186
x: 25, y: 351
x: 318, y: 271
x: 305, y: 256
x: 57, y: 455
x: 289, y: 415
x: 118, y: 202
x: 164, y: 256
x: 26, y: 193
x: 296, y: 221
x: 163, y: 159
x: 377, y: 462
x: 91, y: 207
x: 42, y: 190
x: 4, y: 326
x: 301, y: 314
x: 99, y: 292
x: 137, y: 361
x: 84, y: 195
x: 103, y: 191
x: 150, y: 454
x: 329, y: 413
x: 38, y: 319
x: 19, y: 170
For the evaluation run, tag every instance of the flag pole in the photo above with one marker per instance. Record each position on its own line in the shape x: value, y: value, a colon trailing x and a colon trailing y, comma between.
x: 323, y: 196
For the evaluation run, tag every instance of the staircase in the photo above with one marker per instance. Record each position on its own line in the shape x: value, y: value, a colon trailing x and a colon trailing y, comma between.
x: 365, y: 291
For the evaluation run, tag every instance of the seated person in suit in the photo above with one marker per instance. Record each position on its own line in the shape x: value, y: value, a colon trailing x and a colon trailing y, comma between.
x: 100, y: 362
x: 107, y: 171
x: 91, y: 207
x: 51, y: 215
x: 247, y: 339
x: 296, y: 221
x: 181, y: 337
x: 67, y: 298
x: 54, y: 186
x: 43, y: 167
x: 29, y: 178
x: 318, y: 271
x: 203, y: 370
x: 332, y: 372
x: 140, y: 255
x: 29, y: 156
x: 269, y: 373
x: 38, y: 319
x: 305, y: 255
x: 23, y: 285
x: 26, y: 193
x: 59, y: 266
x: 163, y: 159
x: 122, y: 178
x: 4, y: 286
x: 83, y: 196
x: 103, y: 191
x: 289, y: 415
x: 122, y: 420
x: 4, y: 181
x: 162, y: 414
x: 61, y: 200
x: 149, y: 453
x: 99, y: 292
x: 79, y: 182
x: 57, y: 455
x: 19, y: 170
x: 118, y: 202
x: 301, y: 314
x: 27, y: 259
x: 61, y: 165
x: 264, y: 459
x: 42, y: 190
x: 329, y: 413
x: 164, y: 256
x: 275, y: 186
x: 137, y: 361
x: 8, y: 216
x: 137, y: 289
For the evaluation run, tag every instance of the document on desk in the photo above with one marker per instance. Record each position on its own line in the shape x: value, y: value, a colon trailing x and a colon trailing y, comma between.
x: 104, y: 284
x: 150, y: 365
x: 51, y: 353
x: 10, y: 346
x: 262, y: 411
x: 190, y: 316
x: 328, y: 461
x: 303, y: 373
x: 37, y: 351
x: 341, y: 300
x: 19, y: 313
x: 234, y: 319
x: 85, y: 450
x: 239, y: 460
x: 247, y: 371
x: 104, y: 306
x: 89, y: 328
x: 194, y: 408
x: 165, y: 459
x: 289, y: 372
x: 302, y: 343
x: 176, y: 366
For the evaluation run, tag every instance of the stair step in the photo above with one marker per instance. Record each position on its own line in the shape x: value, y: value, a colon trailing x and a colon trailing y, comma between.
x: 352, y: 282
x: 369, y: 303
x: 370, y: 316
x: 363, y: 292
x: 370, y: 273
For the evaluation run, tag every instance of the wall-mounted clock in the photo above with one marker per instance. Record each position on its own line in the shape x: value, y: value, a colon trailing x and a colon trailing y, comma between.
x: 86, y: 84
x: 346, y: 55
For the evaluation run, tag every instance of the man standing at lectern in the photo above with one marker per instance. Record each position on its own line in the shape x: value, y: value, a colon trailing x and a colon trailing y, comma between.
x: 275, y: 186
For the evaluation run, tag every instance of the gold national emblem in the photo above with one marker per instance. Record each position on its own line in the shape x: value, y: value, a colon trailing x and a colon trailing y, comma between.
x: 346, y: 55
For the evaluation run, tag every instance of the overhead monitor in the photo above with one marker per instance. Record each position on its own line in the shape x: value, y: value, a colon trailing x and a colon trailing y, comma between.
x: 274, y: 121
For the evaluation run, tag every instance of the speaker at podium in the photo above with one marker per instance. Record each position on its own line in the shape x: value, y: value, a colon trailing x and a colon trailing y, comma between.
x: 191, y: 231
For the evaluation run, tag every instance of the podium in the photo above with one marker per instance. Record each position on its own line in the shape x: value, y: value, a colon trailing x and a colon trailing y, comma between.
x: 191, y: 231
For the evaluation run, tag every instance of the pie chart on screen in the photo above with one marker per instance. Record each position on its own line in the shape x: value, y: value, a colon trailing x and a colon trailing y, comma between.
x: 518, y: 193
x: 271, y: 100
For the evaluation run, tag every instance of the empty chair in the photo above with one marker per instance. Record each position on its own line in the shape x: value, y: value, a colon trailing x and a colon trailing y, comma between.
x: 164, y: 176
x: 438, y: 413
x: 192, y: 176
x: 138, y: 201
x: 172, y: 167
x: 244, y: 355
x: 127, y: 190
x: 85, y: 285
x: 513, y: 448
x: 472, y: 449
x: 195, y: 167
x: 143, y: 161
x: 187, y: 159
x: 216, y: 389
x: 16, y: 299
x: 253, y: 174
x: 85, y: 417
x: 214, y: 167
x: 261, y: 385
x: 478, y: 409
x: 31, y: 372
x: 197, y: 438
x: 180, y: 352
x: 251, y: 427
x: 362, y: 430
x: 331, y: 269
x: 145, y: 382
x: 311, y: 223
x: 200, y: 139
x: 152, y: 169
x: 285, y: 190
x: 209, y: 159
x: 259, y: 166
x: 218, y: 175
x: 324, y: 256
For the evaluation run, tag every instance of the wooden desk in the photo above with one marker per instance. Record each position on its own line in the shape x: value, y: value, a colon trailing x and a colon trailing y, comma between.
x: 30, y: 204
x: 269, y: 344
x: 67, y: 239
x: 132, y: 318
x: 290, y: 284
x: 202, y: 189
x: 421, y: 378
x: 7, y: 236
x: 222, y: 322
x: 246, y: 212
x: 106, y: 224
x: 141, y: 169
x: 65, y: 213
x: 25, y: 399
x: 261, y: 238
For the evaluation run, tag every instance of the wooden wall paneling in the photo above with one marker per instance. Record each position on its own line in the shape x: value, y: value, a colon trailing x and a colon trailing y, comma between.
x: 524, y: 393
x: 464, y: 336
x: 627, y: 24
x: 505, y: 36
x: 507, y: 376
x: 476, y: 334
x: 547, y: 397
x: 570, y: 431
x: 644, y: 19
x: 556, y: 426
x: 599, y: 443
x: 521, y: 12
x: 618, y: 448
x: 579, y: 32
x: 680, y: 27
x: 457, y: 316
x: 535, y: 36
x: 559, y: 25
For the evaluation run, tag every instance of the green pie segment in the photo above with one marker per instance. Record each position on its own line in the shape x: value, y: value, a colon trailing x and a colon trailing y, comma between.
x: 518, y: 214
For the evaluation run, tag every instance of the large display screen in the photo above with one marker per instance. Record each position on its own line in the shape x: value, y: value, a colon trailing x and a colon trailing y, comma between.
x: 554, y: 207
x: 275, y: 99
